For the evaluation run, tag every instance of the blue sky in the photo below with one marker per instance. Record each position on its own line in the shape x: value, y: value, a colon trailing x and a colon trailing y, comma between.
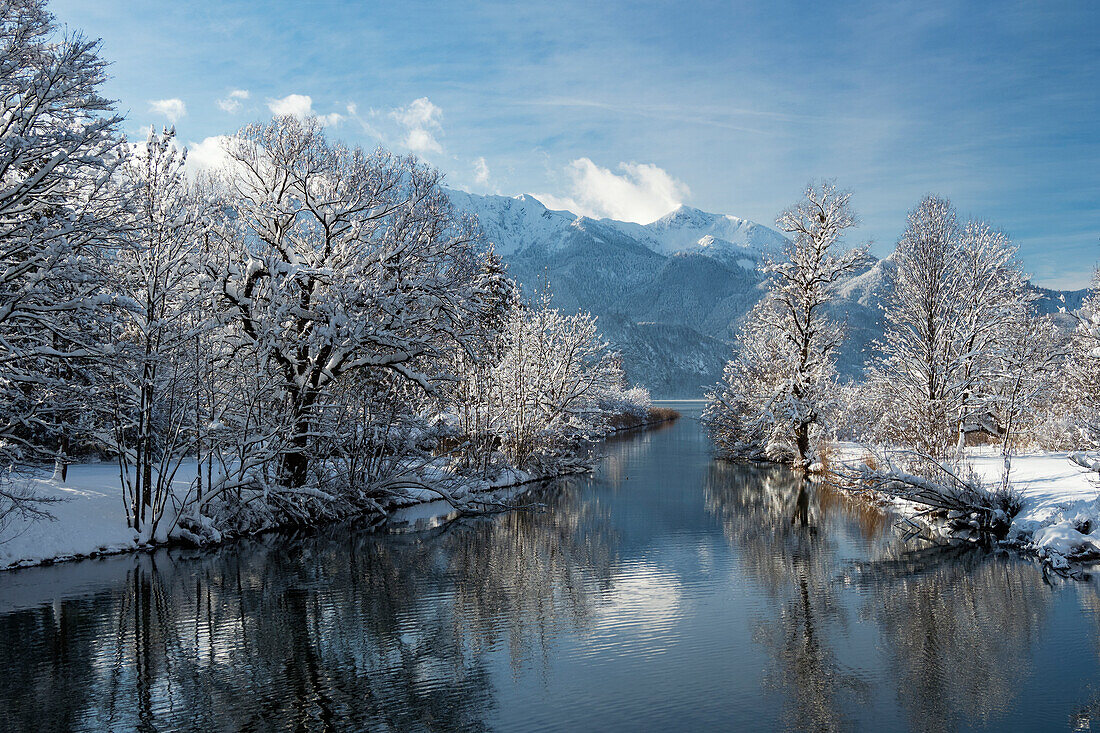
x: 628, y: 110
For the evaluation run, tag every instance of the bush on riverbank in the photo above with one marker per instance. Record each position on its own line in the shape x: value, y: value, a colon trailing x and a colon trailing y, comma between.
x: 650, y: 416
x: 956, y: 495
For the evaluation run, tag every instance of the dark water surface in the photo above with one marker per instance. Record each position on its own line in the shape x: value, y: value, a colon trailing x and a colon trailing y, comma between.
x: 667, y: 591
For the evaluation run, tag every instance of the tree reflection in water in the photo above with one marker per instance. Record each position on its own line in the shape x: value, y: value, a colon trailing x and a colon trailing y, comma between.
x: 957, y: 624
x: 776, y: 521
x: 357, y: 630
x: 368, y: 631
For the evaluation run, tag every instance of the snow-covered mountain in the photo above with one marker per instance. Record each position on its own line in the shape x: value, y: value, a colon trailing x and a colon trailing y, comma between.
x: 670, y: 294
x: 692, y: 231
x: 514, y: 223
x: 522, y: 223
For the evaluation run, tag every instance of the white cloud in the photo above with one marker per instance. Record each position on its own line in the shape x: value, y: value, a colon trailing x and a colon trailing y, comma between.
x: 232, y: 103
x: 298, y: 105
x: 301, y: 106
x: 642, y: 192
x: 207, y: 155
x: 421, y: 141
x: 481, y: 171
x: 173, y: 109
x: 420, y: 113
x: 421, y: 120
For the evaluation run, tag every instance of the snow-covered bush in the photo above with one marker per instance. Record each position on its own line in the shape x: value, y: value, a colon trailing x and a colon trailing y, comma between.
x: 626, y: 407
x: 547, y: 385
x: 951, y: 492
x: 553, y: 373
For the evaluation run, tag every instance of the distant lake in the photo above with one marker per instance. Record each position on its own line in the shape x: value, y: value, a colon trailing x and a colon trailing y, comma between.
x: 664, y: 591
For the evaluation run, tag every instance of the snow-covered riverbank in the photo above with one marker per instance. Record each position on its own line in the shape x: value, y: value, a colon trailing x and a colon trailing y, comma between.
x: 90, y: 520
x: 1060, y: 517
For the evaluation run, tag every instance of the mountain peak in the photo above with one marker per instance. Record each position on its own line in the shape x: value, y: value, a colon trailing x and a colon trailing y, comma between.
x: 683, y: 214
x: 526, y: 198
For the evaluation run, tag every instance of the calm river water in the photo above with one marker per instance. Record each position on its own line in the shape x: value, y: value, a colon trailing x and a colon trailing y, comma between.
x: 666, y: 591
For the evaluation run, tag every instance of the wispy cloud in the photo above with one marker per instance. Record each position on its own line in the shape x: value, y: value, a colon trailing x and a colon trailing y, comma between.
x: 232, y: 102
x: 481, y: 171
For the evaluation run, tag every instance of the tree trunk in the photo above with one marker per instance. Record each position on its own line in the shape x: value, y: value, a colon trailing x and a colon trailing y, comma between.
x: 294, y: 471
x: 802, y: 440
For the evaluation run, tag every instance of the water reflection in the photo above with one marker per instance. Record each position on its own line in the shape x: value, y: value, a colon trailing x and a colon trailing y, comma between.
x: 669, y: 590
x: 784, y: 533
x: 378, y: 632
x: 959, y: 625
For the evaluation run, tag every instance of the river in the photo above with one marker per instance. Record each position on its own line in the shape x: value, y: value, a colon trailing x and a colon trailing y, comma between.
x: 664, y: 591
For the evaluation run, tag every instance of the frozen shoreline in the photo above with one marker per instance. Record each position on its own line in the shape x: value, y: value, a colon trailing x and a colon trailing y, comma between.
x: 1060, y: 498
x: 90, y: 521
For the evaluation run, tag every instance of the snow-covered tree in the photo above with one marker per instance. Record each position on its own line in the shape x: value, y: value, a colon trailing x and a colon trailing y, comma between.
x: 775, y: 398
x: 151, y: 362
x: 58, y: 151
x: 475, y: 389
x: 335, y: 261
x: 919, y: 340
x: 994, y: 317
x: 957, y: 298
x: 311, y: 322
x: 1082, y: 372
x: 1024, y: 380
x: 546, y: 390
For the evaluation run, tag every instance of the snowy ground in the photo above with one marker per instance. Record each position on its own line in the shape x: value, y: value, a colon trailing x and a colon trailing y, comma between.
x: 91, y: 520
x: 1060, y: 499
x: 90, y: 517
